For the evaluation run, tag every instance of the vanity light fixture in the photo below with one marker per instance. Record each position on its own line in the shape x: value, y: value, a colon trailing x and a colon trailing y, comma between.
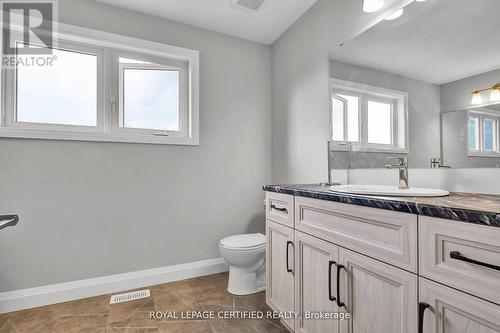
x: 395, y: 15
x: 370, y: 6
x: 477, y: 97
x: 495, y: 93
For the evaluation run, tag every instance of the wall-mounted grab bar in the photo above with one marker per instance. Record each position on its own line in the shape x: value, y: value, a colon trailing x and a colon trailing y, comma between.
x: 8, y: 221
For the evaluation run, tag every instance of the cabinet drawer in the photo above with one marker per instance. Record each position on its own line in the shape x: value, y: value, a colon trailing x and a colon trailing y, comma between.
x: 445, y: 247
x: 279, y: 208
x: 385, y: 235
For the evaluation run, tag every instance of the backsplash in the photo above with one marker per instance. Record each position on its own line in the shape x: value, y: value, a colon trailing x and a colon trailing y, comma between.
x: 360, y: 160
x: 454, y: 180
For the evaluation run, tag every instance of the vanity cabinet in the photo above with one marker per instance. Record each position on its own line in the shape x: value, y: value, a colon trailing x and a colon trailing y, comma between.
x: 385, y: 235
x: 280, y: 265
x: 461, y: 255
x: 443, y: 309
x: 315, y: 283
x: 335, y: 257
x: 380, y: 298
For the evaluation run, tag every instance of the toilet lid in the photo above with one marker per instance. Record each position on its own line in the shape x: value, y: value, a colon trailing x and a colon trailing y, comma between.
x: 243, y: 241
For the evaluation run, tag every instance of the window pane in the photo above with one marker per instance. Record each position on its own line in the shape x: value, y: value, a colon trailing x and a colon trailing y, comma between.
x: 379, y: 123
x: 151, y: 99
x: 489, y: 135
x: 473, y: 134
x: 64, y: 93
x: 352, y: 117
x: 337, y: 119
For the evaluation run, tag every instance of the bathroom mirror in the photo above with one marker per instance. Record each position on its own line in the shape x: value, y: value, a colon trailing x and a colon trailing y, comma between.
x: 425, y: 84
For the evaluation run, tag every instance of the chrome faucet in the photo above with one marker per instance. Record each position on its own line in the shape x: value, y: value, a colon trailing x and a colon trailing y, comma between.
x: 403, y: 171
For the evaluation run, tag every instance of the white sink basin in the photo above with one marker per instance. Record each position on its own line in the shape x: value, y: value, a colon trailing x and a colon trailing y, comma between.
x: 391, y: 191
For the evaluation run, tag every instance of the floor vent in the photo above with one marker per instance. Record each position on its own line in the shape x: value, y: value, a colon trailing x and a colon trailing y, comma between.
x: 129, y: 296
x: 253, y: 5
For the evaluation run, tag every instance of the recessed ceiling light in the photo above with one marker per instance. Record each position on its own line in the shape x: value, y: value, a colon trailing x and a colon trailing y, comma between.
x: 395, y: 15
x: 370, y: 6
x: 253, y: 5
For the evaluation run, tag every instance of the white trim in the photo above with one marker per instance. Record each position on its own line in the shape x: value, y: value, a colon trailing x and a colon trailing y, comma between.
x: 68, y: 291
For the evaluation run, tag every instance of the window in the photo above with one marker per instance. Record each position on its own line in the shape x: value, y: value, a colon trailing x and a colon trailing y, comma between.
x: 345, y: 117
x: 483, y: 134
x: 379, y: 122
x: 474, y: 134
x: 152, y: 97
x: 62, y: 94
x: 368, y: 117
x: 127, y: 90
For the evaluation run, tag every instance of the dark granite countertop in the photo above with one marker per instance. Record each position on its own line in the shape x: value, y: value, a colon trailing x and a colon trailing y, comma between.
x: 464, y: 207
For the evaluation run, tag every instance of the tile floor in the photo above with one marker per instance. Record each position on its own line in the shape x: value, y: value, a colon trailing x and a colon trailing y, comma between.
x: 95, y: 314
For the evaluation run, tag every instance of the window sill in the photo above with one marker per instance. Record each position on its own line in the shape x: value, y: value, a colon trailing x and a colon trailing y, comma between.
x: 356, y: 147
x: 482, y: 154
x: 96, y: 137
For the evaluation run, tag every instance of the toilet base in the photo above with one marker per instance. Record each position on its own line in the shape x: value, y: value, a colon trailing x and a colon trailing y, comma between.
x: 242, y: 282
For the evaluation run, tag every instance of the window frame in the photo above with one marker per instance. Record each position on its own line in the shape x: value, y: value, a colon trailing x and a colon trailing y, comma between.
x: 9, y: 104
x: 399, y: 116
x: 107, y: 130
x: 481, y: 116
x: 158, y: 64
x: 336, y: 95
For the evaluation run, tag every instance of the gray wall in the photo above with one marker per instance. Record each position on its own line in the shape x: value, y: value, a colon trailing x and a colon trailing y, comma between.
x: 300, y: 84
x: 423, y: 109
x: 94, y: 209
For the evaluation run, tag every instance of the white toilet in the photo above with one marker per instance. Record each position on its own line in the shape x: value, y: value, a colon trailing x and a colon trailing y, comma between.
x: 246, y: 256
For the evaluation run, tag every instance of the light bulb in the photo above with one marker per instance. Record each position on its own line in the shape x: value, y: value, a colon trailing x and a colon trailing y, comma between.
x: 495, y: 94
x: 370, y: 6
x: 395, y: 15
x: 476, y: 98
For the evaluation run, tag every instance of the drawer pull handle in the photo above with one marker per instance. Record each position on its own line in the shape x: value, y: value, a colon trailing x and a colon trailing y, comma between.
x: 330, y: 265
x: 279, y: 209
x: 457, y: 256
x: 288, y: 243
x: 339, y: 302
x: 421, y: 311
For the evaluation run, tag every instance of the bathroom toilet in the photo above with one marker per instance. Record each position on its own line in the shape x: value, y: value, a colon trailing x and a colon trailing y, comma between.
x: 246, y: 256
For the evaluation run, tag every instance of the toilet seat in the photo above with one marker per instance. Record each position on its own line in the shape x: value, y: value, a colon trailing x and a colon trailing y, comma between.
x: 243, y: 242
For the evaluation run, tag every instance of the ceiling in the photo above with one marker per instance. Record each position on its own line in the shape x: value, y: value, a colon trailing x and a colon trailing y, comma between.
x: 437, y: 41
x: 265, y: 25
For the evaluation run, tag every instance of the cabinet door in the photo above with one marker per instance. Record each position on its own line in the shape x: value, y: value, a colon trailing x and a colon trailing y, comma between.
x: 380, y: 298
x: 315, y: 283
x: 447, y: 310
x: 280, y: 269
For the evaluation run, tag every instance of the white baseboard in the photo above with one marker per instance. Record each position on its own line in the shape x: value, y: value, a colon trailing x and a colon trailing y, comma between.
x: 69, y: 291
